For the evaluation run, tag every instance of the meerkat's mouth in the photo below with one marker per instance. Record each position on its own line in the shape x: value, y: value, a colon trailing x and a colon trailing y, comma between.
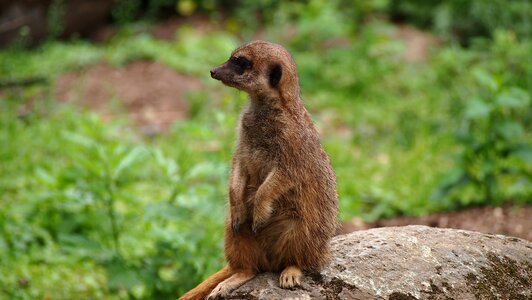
x: 227, y: 82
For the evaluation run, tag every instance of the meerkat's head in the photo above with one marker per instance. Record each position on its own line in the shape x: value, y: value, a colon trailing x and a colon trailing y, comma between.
x: 262, y: 69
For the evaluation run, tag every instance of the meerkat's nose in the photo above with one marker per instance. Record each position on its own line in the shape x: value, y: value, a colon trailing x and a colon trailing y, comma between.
x: 213, y: 73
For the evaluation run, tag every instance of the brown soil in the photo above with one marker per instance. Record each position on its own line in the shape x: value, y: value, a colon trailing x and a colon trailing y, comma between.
x: 153, y: 95
x: 513, y: 221
x: 417, y: 42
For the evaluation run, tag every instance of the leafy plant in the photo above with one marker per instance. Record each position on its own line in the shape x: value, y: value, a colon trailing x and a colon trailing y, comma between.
x: 464, y: 20
x: 126, y: 11
x: 88, y: 205
x: 56, y: 15
x: 94, y: 209
x: 493, y: 150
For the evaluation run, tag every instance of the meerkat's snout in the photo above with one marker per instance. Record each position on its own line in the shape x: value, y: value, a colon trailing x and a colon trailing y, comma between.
x: 237, y: 72
x: 214, y: 74
x: 225, y: 74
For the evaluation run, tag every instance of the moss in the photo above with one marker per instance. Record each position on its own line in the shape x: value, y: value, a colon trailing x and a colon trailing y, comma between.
x: 446, y: 285
x: 241, y: 296
x: 503, y: 278
x: 513, y: 239
x: 436, y: 293
x: 438, y: 270
x: 317, y: 277
x: 340, y: 268
x: 332, y: 289
x: 401, y: 296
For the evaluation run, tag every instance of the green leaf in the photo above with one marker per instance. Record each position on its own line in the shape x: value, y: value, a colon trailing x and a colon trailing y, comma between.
x: 79, y: 139
x: 487, y: 168
x: 477, y: 109
x: 120, y: 276
x: 486, y: 79
x: 79, y: 245
x: 513, y: 98
x: 45, y: 177
x: 455, y: 178
x: 509, y: 130
x: 524, y: 152
x: 128, y: 160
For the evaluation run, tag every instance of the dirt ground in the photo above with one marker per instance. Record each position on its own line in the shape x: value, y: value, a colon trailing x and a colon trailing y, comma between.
x: 151, y: 94
x: 417, y: 43
x: 513, y: 221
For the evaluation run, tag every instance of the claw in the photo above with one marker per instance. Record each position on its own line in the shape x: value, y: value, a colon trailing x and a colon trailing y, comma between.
x: 236, y: 228
x: 290, y: 277
x: 256, y: 227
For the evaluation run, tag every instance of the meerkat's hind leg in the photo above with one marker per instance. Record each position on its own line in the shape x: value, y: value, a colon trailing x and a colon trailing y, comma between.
x: 290, y: 277
x: 227, y: 286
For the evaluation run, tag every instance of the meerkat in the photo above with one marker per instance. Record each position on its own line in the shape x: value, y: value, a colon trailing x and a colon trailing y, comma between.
x: 282, y: 190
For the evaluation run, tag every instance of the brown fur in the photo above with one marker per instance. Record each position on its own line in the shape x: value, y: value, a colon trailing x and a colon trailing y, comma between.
x: 282, y: 190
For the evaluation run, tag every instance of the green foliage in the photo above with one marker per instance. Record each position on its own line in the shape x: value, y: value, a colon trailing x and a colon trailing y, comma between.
x: 465, y: 19
x: 492, y: 164
x: 189, y: 53
x: 494, y: 152
x: 129, y: 212
x: 94, y: 209
x: 126, y: 11
x: 461, y: 20
x: 56, y: 14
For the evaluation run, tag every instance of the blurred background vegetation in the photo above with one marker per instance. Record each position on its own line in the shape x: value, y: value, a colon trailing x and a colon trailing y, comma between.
x: 424, y: 106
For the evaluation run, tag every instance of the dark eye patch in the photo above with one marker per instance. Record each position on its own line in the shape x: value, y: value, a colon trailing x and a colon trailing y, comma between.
x: 240, y: 64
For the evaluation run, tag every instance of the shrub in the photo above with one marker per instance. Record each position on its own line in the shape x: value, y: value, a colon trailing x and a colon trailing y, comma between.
x: 465, y: 19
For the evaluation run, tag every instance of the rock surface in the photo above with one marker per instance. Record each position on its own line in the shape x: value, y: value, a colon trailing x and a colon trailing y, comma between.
x: 412, y: 262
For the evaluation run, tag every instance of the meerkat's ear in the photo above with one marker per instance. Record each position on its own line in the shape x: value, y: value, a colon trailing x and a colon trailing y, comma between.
x: 276, y: 72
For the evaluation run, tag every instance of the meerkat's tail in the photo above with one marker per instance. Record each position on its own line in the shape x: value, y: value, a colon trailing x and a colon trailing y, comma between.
x: 205, y: 288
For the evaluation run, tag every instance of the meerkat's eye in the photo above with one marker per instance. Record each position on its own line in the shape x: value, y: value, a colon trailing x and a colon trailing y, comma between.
x: 240, y: 64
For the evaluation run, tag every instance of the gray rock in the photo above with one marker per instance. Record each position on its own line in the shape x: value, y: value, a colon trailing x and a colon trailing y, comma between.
x: 412, y: 262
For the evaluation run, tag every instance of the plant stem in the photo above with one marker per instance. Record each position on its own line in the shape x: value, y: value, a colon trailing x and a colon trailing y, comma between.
x: 112, y: 217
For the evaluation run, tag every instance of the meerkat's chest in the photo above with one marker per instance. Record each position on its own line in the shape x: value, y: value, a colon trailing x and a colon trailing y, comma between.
x: 261, y: 133
x: 259, y: 146
x: 257, y: 154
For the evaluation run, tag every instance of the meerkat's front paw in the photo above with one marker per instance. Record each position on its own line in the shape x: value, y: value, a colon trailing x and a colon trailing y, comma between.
x: 261, y: 214
x: 237, y: 219
x: 290, y: 277
x: 257, y: 225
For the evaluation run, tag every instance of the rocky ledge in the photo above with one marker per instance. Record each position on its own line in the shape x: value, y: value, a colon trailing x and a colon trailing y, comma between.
x: 412, y: 262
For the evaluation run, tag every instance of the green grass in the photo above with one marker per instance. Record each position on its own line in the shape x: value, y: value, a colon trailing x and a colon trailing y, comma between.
x: 92, y: 209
